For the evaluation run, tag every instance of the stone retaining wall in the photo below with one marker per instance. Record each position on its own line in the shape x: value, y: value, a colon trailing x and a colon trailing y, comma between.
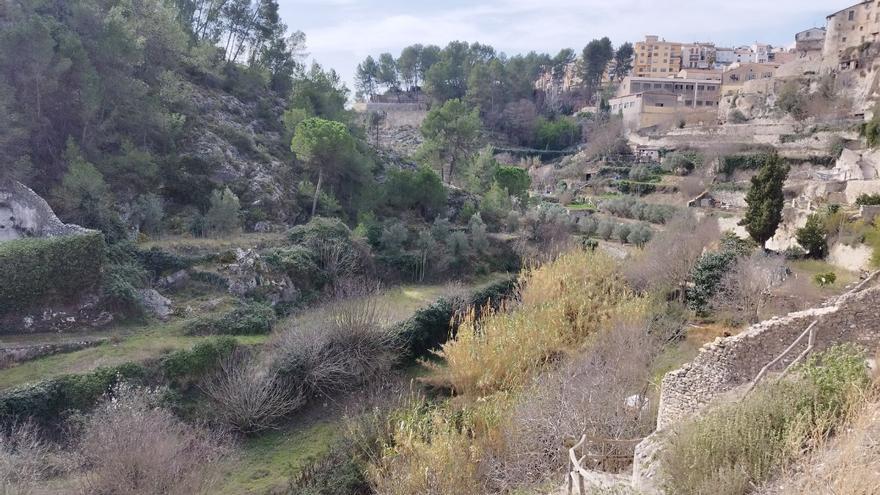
x: 734, y: 361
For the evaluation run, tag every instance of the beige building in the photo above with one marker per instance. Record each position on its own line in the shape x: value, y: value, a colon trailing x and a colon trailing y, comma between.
x: 694, y: 93
x: 847, y: 31
x: 656, y: 58
x: 809, y: 42
x: 702, y: 74
x: 646, y: 102
x: 737, y: 75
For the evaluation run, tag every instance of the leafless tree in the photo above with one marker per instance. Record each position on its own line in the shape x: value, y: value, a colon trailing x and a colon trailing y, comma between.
x: 249, y: 397
x: 746, y: 288
x: 667, y: 261
x: 129, y: 445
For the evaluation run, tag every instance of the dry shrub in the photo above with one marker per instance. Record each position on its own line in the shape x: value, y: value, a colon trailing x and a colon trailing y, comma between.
x: 737, y: 446
x: 26, y: 459
x: 248, y: 397
x: 562, y: 303
x: 603, y: 393
x: 128, y: 445
x: 351, y: 344
x: 436, y: 450
x: 748, y: 285
x: 846, y: 465
x: 668, y: 259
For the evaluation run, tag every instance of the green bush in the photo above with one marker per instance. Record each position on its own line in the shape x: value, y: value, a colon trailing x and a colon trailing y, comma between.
x: 742, y: 444
x: 743, y: 161
x: 420, y: 190
x: 430, y: 327
x: 51, y: 270
x: 868, y: 200
x: 298, y: 262
x: 319, y: 229
x: 707, y: 274
x: 159, y: 262
x: 46, y: 402
x: 556, y: 134
x: 825, y: 279
x: 249, y: 319
x: 187, y: 365
x: 813, y: 237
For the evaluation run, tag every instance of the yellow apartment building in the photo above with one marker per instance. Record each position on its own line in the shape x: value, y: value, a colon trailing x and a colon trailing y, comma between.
x: 656, y: 58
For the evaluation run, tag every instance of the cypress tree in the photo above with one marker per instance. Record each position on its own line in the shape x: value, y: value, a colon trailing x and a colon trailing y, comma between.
x: 765, y: 200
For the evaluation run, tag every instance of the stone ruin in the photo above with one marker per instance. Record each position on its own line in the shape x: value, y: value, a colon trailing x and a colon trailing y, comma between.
x: 23, y: 213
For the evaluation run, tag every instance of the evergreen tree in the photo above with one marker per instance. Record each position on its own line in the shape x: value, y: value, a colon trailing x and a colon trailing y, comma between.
x: 367, y: 77
x: 451, y: 136
x: 596, y: 56
x: 623, y: 60
x: 812, y: 237
x: 765, y: 200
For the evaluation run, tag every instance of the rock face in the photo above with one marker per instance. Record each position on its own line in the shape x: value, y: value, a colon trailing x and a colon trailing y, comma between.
x: 250, y: 273
x: 155, y: 303
x: 23, y: 213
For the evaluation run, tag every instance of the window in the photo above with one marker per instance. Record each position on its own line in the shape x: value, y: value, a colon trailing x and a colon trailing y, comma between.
x: 688, y: 102
x: 701, y: 88
x: 658, y: 104
x: 852, y: 14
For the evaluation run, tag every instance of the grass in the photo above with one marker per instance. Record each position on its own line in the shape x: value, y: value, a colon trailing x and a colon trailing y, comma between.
x: 811, y: 268
x: 266, y: 462
x: 151, y: 341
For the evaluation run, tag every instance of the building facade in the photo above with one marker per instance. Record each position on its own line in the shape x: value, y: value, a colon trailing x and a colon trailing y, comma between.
x: 698, y: 56
x: 656, y: 58
x: 694, y: 93
x: 847, y: 31
x: 738, y: 74
x: 810, y: 41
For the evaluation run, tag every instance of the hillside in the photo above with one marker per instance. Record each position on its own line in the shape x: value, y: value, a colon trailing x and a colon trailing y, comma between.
x: 225, y: 271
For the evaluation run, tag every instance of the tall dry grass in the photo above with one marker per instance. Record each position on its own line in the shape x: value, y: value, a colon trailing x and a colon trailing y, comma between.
x: 454, y: 447
x: 561, y: 305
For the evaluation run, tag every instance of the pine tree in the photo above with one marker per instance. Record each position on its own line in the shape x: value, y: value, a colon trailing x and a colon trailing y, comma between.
x: 765, y: 200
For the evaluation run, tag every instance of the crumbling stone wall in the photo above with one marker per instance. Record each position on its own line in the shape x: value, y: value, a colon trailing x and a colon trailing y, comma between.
x: 23, y: 213
x: 734, y: 361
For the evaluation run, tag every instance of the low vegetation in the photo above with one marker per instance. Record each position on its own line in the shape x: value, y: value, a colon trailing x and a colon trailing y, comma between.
x: 736, y: 446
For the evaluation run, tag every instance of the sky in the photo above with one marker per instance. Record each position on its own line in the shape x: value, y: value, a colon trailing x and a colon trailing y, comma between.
x: 341, y: 33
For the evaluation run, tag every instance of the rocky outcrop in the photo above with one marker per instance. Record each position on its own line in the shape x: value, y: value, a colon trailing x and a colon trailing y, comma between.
x: 23, y: 213
x: 154, y: 303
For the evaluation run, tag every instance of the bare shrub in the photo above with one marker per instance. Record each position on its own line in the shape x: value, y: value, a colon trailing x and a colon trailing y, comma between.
x: 248, y: 397
x: 336, y: 259
x: 667, y: 261
x: 128, y: 445
x: 351, y: 344
x: 746, y: 287
x: 25, y: 459
x: 602, y: 393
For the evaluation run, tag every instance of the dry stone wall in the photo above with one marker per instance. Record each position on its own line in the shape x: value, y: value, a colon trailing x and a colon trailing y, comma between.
x: 734, y: 361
